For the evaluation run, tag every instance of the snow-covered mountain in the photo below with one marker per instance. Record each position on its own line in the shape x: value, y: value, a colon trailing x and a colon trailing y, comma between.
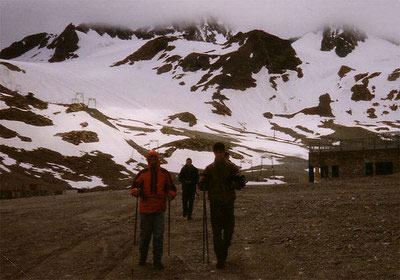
x: 81, y: 108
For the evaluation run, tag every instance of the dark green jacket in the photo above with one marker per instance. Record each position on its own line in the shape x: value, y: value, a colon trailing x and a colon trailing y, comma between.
x: 218, y: 181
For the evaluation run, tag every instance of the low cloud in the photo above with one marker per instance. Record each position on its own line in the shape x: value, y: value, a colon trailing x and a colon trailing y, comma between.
x: 285, y: 18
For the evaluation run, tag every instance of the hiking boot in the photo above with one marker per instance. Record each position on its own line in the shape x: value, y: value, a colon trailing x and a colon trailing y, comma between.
x: 225, y: 254
x: 220, y: 264
x: 142, y: 260
x: 158, y: 265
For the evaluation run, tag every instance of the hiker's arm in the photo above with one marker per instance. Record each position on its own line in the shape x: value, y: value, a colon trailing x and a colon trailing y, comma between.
x: 202, y: 185
x: 171, y: 188
x: 181, y: 177
x: 196, y: 177
x: 137, y: 187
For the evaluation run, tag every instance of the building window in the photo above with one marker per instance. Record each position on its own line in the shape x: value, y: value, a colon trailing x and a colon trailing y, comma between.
x: 335, y: 171
x: 384, y: 168
x: 369, y: 169
x: 324, y: 171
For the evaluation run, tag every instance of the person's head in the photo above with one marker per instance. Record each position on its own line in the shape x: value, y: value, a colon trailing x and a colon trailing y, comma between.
x: 188, y: 161
x: 152, y: 158
x: 219, y: 150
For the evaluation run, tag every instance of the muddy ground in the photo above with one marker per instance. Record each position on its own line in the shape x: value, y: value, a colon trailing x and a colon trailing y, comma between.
x: 344, y: 230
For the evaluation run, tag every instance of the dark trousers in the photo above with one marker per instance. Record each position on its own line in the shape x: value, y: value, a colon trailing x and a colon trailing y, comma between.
x: 151, y: 225
x: 223, y: 224
x: 188, y: 194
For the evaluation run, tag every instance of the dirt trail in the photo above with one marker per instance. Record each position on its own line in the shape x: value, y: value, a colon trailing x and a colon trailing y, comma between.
x: 343, y: 230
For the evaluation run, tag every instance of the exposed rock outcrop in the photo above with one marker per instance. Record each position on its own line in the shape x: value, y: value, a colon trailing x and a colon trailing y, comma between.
x: 361, y: 93
x: 344, y: 70
x: 164, y: 69
x: 268, y: 115
x: 184, y: 117
x: 205, y: 30
x: 288, y: 131
x: 72, y: 168
x: 94, y: 113
x: 12, y: 67
x: 17, y: 49
x: 393, y: 94
x: 323, y: 109
x: 365, y: 80
x: 120, y: 32
x: 394, y: 76
x: 360, y: 76
x: 346, y: 132
x: 79, y: 136
x: 8, y: 134
x: 371, y: 113
x: 194, y: 144
x: 173, y: 59
x: 17, y: 100
x: 28, y: 117
x: 147, y: 51
x: 257, y: 50
x: 220, y: 108
x: 65, y: 45
x: 196, y: 61
x: 343, y: 40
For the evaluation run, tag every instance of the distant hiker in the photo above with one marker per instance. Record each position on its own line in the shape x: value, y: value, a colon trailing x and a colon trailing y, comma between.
x: 189, y: 177
x: 219, y: 180
x: 154, y: 186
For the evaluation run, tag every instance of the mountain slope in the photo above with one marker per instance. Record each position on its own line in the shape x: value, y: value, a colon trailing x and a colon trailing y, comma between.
x: 261, y: 95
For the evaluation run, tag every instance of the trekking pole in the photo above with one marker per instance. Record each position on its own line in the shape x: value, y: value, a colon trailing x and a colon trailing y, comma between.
x: 205, y: 212
x: 136, y: 217
x: 205, y: 230
x: 169, y: 227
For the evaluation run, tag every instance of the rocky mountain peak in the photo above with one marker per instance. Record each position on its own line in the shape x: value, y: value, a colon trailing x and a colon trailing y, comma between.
x: 65, y: 44
x: 17, y: 49
x: 120, y: 32
x: 205, y: 30
x: 342, y: 38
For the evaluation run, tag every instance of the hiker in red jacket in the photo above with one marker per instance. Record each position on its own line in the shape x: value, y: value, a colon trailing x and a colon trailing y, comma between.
x: 154, y: 186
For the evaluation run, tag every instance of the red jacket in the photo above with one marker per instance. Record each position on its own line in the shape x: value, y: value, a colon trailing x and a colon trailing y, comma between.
x: 153, y: 190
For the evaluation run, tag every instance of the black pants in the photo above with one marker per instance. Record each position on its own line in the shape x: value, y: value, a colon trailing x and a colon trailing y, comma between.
x: 151, y: 225
x: 188, y: 194
x: 223, y: 224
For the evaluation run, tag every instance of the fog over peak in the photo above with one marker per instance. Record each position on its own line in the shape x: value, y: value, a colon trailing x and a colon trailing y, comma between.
x: 285, y: 18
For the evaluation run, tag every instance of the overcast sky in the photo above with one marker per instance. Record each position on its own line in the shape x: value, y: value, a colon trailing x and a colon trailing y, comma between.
x: 285, y: 18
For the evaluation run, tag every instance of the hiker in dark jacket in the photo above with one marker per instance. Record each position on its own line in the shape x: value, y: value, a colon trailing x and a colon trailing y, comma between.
x: 217, y: 179
x: 189, y: 177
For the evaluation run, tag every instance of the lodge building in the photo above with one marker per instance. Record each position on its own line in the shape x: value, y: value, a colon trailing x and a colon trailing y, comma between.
x: 350, y: 158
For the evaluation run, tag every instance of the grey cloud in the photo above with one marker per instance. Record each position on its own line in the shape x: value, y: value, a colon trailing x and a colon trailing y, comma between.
x: 286, y: 18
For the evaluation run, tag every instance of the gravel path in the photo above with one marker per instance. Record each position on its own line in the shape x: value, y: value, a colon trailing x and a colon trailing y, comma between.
x: 339, y: 230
